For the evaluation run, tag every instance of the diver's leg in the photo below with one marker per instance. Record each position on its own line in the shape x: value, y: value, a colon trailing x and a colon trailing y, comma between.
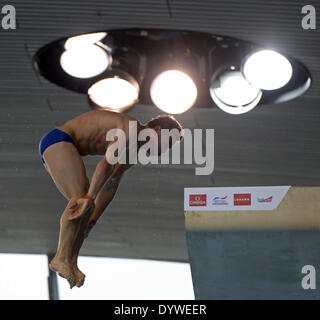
x: 104, y: 197
x: 65, y: 165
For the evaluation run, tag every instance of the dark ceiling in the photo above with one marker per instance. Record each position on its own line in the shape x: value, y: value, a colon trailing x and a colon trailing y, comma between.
x: 271, y: 145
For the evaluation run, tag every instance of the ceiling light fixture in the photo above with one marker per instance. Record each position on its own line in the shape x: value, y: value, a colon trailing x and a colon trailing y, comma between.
x: 114, y: 93
x: 235, y: 94
x: 267, y: 69
x: 172, y: 69
x: 85, y: 62
x: 83, y: 57
x: 173, y: 92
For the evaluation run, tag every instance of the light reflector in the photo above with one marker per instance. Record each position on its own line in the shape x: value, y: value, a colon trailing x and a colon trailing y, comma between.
x: 173, y: 92
x: 235, y: 94
x: 84, y: 40
x: 268, y: 70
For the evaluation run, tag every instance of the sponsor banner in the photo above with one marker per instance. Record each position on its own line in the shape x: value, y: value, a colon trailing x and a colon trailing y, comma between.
x: 197, y: 200
x: 242, y: 199
x: 234, y: 198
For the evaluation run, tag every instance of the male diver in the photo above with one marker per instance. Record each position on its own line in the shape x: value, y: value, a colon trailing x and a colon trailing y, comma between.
x: 61, y: 152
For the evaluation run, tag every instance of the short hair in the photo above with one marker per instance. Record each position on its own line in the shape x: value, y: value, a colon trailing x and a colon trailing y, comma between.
x: 165, y: 122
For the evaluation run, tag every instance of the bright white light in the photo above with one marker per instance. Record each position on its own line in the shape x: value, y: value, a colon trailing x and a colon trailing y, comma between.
x: 235, y: 94
x: 130, y: 279
x: 268, y: 70
x: 23, y: 277
x: 114, y: 93
x: 173, y: 92
x: 84, y: 40
x: 85, y: 62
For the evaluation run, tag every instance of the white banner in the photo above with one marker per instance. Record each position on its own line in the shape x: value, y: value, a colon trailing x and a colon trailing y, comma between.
x: 234, y: 198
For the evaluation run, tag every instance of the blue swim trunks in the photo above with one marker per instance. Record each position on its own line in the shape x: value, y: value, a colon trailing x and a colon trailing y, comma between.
x: 52, y: 137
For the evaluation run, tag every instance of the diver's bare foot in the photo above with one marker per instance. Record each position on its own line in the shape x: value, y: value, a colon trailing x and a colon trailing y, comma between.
x: 79, y: 277
x: 64, y: 270
x: 80, y: 208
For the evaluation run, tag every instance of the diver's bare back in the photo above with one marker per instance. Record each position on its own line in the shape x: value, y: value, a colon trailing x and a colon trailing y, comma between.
x: 89, y: 130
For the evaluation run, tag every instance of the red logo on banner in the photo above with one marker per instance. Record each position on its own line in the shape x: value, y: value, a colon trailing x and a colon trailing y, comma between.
x: 197, y: 200
x: 242, y: 199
